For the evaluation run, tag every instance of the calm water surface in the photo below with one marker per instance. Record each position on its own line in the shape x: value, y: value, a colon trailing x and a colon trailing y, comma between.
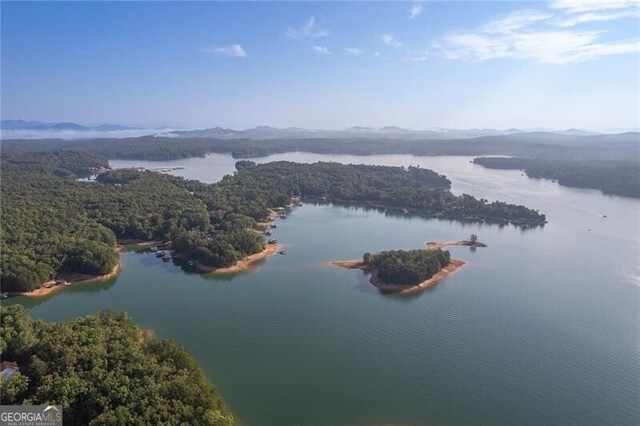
x: 539, y: 328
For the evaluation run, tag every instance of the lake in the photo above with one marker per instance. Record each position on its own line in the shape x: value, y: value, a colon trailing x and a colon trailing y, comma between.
x: 540, y: 327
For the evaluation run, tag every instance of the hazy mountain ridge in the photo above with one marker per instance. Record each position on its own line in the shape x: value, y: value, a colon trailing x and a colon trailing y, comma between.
x: 61, y: 126
x: 24, y: 129
x: 389, y: 132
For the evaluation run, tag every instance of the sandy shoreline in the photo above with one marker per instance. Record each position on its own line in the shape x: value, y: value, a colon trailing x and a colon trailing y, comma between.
x: 435, y: 245
x: 141, y: 243
x: 51, y: 287
x: 402, y: 289
x: 409, y: 289
x: 242, y: 264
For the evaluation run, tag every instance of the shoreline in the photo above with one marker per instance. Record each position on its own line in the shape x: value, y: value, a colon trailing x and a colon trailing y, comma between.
x: 273, y: 215
x: 140, y: 243
x: 429, y: 214
x: 243, y: 264
x: 441, y: 275
x: 51, y: 287
x: 435, y: 245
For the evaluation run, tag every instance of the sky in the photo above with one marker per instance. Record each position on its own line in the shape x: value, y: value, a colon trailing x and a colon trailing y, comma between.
x: 327, y: 65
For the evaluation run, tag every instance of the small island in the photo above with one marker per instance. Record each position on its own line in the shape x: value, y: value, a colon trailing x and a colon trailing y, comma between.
x: 409, y: 271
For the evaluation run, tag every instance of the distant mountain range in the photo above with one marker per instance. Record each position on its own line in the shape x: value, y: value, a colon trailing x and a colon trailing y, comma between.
x: 40, y: 126
x: 23, y: 129
x: 267, y: 132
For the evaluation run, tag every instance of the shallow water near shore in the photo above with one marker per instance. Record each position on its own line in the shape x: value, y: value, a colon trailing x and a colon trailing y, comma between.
x: 540, y: 327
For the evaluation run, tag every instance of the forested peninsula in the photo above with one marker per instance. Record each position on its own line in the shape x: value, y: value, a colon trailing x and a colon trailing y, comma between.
x: 53, y: 224
x: 104, y: 370
x: 611, y: 177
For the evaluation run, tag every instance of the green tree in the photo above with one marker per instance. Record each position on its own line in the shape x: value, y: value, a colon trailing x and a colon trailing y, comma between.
x: 105, y: 370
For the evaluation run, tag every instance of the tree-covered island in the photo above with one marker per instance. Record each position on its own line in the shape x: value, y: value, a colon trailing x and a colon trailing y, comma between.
x: 405, y: 271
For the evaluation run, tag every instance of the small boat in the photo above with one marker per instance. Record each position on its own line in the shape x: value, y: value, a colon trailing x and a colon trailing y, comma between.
x: 160, y: 254
x: 191, y: 263
x: 272, y: 241
x: 153, y: 249
x: 282, y: 252
x: 604, y: 215
x: 405, y: 211
x: 4, y: 295
x: 166, y: 258
x: 273, y: 226
x: 267, y: 232
x: 299, y: 204
x: 283, y: 216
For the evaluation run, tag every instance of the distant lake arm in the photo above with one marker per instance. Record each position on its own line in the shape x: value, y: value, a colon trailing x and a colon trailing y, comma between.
x: 611, y: 177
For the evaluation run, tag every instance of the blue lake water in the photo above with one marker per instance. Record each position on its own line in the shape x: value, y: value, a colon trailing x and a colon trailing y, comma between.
x: 539, y: 328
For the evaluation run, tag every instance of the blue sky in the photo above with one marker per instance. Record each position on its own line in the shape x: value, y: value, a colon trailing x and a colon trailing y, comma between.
x: 556, y: 64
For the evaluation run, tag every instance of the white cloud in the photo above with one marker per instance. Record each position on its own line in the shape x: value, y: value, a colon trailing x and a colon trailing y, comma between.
x: 515, y: 21
x: 321, y: 50
x: 415, y: 10
x: 234, y: 50
x: 581, y: 6
x: 310, y: 29
x: 585, y: 18
x: 353, y: 51
x: 376, y: 54
x: 390, y: 40
x: 534, y: 36
x: 553, y: 47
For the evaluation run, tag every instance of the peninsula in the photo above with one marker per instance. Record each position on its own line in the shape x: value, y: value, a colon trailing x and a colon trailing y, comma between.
x: 244, y: 264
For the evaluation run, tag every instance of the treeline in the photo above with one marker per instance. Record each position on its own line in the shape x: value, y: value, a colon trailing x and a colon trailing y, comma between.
x: 407, y: 267
x: 53, y: 225
x: 611, y: 177
x: 104, y: 370
x: 534, y: 145
x: 58, y: 162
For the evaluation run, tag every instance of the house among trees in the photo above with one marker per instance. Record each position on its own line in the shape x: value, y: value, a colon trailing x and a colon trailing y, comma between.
x: 8, y: 368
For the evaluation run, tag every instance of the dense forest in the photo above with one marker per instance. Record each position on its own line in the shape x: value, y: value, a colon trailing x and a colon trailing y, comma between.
x: 611, y: 177
x: 105, y: 370
x: 534, y: 145
x: 407, y: 267
x: 414, y: 189
x: 54, y: 225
